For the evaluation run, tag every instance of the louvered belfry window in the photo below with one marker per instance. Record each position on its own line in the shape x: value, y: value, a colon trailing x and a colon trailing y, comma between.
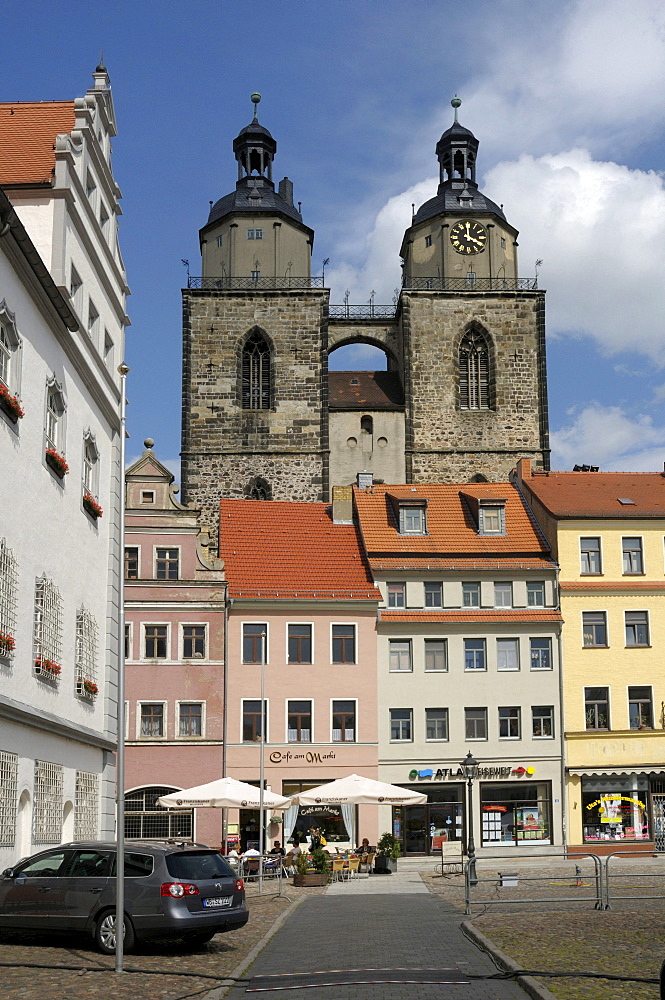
x: 474, y: 372
x: 256, y: 373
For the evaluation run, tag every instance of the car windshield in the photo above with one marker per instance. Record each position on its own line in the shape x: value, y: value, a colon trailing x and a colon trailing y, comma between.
x: 198, y: 865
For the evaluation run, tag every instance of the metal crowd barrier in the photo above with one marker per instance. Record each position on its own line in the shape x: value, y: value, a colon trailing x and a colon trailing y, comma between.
x: 614, y: 879
x: 507, y: 878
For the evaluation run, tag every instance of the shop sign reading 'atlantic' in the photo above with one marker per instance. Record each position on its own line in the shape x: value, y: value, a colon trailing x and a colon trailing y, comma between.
x: 481, y: 772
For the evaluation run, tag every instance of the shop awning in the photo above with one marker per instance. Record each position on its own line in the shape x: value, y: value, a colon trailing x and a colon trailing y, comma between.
x: 603, y: 772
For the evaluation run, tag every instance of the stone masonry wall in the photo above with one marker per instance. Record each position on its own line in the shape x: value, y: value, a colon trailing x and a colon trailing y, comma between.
x: 225, y: 446
x: 445, y: 443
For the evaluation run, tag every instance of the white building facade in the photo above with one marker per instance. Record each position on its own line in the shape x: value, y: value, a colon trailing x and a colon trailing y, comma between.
x: 60, y: 344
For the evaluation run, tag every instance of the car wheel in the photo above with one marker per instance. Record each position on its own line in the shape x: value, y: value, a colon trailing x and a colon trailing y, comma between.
x: 105, y: 933
x: 195, y: 938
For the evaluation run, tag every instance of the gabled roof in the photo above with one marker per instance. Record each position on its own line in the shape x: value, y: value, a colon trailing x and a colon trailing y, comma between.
x: 600, y: 494
x: 288, y: 550
x: 451, y: 529
x: 365, y: 391
x: 27, y: 139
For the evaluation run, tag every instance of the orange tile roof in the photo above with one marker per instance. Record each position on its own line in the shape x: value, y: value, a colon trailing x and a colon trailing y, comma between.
x: 450, y: 526
x: 516, y: 615
x: 274, y: 549
x: 365, y: 391
x: 596, y: 494
x: 605, y: 585
x: 459, y: 564
x: 27, y: 138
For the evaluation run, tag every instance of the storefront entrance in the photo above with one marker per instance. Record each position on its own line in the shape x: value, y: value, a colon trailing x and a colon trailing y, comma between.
x: 423, y: 829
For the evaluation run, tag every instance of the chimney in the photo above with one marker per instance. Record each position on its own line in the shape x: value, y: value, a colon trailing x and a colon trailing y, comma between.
x: 365, y: 480
x: 342, y: 505
x: 285, y: 190
x: 523, y: 469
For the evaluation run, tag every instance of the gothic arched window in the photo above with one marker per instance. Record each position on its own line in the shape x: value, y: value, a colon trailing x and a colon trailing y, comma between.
x: 255, y: 390
x: 474, y: 371
x: 258, y: 489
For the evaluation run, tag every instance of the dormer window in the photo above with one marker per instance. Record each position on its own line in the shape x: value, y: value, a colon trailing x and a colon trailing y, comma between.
x: 412, y: 519
x: 491, y: 519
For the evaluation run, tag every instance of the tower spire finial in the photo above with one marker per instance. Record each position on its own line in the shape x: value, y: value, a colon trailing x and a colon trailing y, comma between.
x: 455, y: 103
x: 256, y: 100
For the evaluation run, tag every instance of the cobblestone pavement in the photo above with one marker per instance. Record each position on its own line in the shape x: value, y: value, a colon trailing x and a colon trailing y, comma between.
x: 218, y: 959
x: 570, y: 937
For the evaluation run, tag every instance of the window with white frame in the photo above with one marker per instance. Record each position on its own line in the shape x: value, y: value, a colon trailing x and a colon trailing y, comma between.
x: 251, y: 720
x: 401, y: 725
x: 104, y: 219
x: 9, y: 348
x: 93, y: 321
x: 344, y: 643
x: 503, y: 595
x: 436, y: 654
x: 470, y: 595
x: 475, y: 723
x: 640, y: 708
x: 87, y: 634
x: 152, y: 720
x: 47, y: 803
x: 86, y: 806
x: 507, y: 654
x: 475, y: 654
x: 55, y: 411
x: 510, y: 724
x: 8, y: 592
x: 541, y: 653
x: 299, y: 637
x: 155, y: 642
x: 193, y: 642
x: 542, y: 722
x: 8, y: 797
x: 131, y: 562
x: 491, y: 519
x: 436, y: 724
x: 299, y: 721
x: 75, y: 286
x: 535, y: 594
x: 590, y: 558
x: 128, y: 641
x: 396, y: 595
x: 434, y: 595
x: 47, y: 632
x: 412, y: 519
x: 190, y: 719
x: 108, y: 349
x: 400, y: 654
x: 254, y: 642
x: 254, y: 234
x: 633, y: 559
x: 167, y: 563
x: 90, y: 465
x: 594, y: 628
x: 344, y: 721
x: 637, y: 628
x: 218, y: 241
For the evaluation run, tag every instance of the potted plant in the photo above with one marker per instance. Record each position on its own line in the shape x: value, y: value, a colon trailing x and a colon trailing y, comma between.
x: 7, y: 644
x: 91, y: 505
x: 86, y: 687
x: 57, y: 462
x: 388, y: 851
x: 10, y: 404
x: 312, y: 869
x: 47, y: 668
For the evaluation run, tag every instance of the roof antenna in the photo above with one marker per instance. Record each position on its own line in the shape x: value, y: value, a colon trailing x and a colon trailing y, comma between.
x: 256, y: 100
x: 455, y: 103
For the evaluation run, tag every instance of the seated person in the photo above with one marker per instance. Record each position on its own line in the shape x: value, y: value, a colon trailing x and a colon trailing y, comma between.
x: 277, y: 849
x: 364, y: 849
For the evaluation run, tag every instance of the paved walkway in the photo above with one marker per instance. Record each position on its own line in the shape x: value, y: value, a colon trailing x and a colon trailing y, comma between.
x: 379, y: 938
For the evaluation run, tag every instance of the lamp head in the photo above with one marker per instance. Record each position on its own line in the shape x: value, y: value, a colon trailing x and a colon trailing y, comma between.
x: 469, y: 766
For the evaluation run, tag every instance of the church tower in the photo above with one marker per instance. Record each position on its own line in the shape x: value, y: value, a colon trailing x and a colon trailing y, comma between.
x: 254, y: 345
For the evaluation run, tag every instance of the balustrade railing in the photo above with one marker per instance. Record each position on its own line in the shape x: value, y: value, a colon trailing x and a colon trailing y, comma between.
x: 471, y: 284
x: 275, y: 282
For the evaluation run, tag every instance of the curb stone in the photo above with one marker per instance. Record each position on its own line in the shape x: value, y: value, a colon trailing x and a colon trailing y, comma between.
x: 528, y: 983
x: 219, y: 992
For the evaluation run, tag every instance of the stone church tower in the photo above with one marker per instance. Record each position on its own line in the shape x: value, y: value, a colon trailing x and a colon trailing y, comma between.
x: 464, y: 394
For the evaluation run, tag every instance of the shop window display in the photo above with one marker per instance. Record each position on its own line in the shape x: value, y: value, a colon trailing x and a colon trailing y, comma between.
x: 516, y: 813
x: 615, y: 808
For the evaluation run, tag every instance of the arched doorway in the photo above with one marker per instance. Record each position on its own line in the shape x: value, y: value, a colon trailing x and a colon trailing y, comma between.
x: 146, y: 820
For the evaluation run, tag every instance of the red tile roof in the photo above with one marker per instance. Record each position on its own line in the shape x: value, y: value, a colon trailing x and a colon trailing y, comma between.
x: 451, y: 530
x: 516, y: 615
x: 274, y: 549
x: 27, y: 138
x: 626, y: 586
x: 598, y: 494
x: 458, y: 564
x: 365, y: 391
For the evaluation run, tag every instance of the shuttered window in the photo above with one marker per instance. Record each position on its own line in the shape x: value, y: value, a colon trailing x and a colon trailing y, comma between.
x: 474, y: 372
x: 256, y: 373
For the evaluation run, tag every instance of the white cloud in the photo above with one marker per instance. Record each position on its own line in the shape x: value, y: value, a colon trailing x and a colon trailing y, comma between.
x: 609, y: 437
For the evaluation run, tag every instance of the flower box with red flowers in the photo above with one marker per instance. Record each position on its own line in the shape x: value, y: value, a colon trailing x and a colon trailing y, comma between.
x: 10, y: 404
x: 91, y: 505
x: 7, y: 644
x: 86, y: 688
x: 56, y: 462
x: 47, y: 668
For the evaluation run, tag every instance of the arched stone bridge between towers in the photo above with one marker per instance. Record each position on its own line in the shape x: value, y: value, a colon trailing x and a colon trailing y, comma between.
x: 381, y: 333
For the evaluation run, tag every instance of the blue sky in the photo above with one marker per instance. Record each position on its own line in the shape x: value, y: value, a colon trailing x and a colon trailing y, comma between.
x: 567, y: 99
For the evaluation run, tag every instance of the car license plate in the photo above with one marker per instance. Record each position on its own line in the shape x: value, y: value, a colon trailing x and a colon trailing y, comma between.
x: 218, y: 901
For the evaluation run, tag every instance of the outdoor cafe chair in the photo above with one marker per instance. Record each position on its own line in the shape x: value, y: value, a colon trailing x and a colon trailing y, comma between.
x: 353, y: 867
x: 367, y: 862
x: 338, y: 869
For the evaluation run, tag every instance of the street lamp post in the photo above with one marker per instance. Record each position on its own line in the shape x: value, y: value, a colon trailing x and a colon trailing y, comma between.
x: 262, y: 764
x: 469, y: 768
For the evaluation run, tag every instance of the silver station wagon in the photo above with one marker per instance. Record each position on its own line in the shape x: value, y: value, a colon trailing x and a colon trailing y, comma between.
x: 171, y: 890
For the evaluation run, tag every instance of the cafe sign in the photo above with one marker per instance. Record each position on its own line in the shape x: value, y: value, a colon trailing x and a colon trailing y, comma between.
x: 309, y: 757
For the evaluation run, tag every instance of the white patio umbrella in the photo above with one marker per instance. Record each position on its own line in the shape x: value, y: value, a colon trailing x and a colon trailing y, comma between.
x: 356, y: 790
x: 225, y: 793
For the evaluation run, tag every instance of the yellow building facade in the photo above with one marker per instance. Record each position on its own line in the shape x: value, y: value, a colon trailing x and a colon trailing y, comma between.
x: 607, y: 532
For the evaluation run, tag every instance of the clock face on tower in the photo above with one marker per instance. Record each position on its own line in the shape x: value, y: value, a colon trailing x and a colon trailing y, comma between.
x: 468, y: 237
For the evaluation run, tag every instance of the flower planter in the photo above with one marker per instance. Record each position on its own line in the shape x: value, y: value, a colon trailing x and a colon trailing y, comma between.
x: 385, y: 864
x: 56, y: 462
x: 46, y: 668
x: 11, y: 405
x: 7, y: 645
x: 91, y: 506
x: 311, y: 879
x: 87, y: 689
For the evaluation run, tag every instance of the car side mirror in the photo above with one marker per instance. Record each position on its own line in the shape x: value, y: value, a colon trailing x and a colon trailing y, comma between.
x: 8, y: 873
